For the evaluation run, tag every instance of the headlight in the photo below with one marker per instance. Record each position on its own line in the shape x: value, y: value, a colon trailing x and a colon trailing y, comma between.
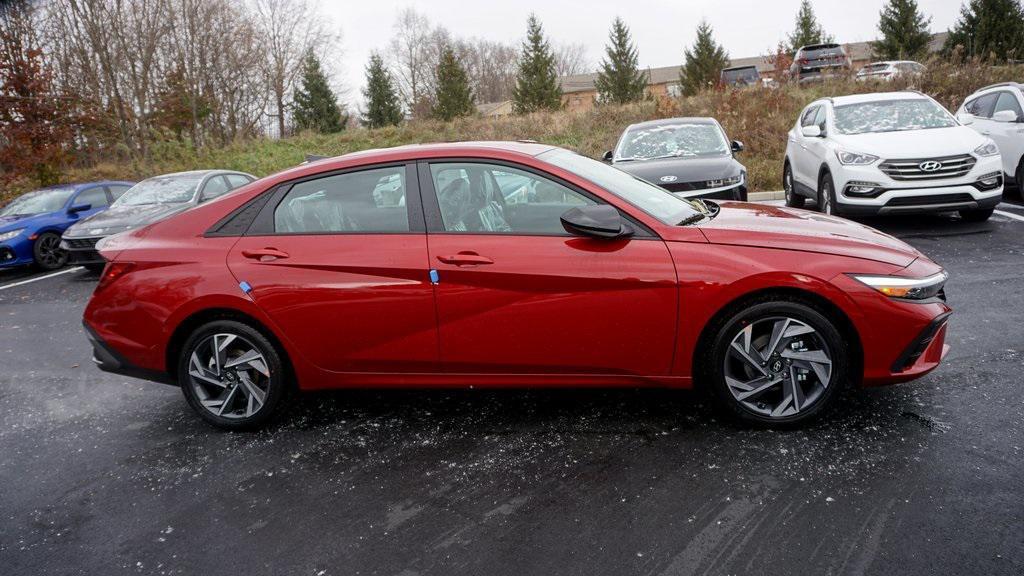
x: 854, y: 159
x: 906, y: 288
x: 987, y: 149
x: 731, y: 181
x: 10, y: 235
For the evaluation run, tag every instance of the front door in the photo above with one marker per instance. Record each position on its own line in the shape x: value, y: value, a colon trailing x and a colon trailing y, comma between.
x: 517, y: 294
x: 340, y: 266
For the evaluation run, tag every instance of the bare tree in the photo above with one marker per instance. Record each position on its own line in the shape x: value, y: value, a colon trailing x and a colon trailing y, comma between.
x: 409, y: 56
x: 571, y: 59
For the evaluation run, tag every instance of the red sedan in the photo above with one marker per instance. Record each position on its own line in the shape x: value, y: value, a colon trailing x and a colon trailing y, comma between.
x: 508, y: 264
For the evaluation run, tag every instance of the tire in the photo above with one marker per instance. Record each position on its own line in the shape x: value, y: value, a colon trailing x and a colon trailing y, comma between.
x: 827, y: 196
x: 1018, y: 183
x: 47, y: 253
x: 268, y: 375
x: 758, y: 394
x: 976, y: 215
x: 793, y: 200
x: 94, y: 268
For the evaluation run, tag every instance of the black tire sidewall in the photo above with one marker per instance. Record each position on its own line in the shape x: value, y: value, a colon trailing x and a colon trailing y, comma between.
x: 279, y: 390
x: 793, y: 200
x: 35, y: 253
x: 826, y: 328
x: 827, y: 177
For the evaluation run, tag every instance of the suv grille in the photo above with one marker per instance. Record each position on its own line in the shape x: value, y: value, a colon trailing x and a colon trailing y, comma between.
x: 80, y: 243
x: 946, y: 167
x: 929, y: 200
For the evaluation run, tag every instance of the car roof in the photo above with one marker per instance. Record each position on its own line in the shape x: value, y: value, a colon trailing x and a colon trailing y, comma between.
x: 200, y: 173
x: 1016, y: 85
x: 820, y: 46
x: 876, y: 97
x: 671, y: 121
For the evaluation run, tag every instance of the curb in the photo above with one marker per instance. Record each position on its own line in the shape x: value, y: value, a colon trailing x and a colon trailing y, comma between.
x: 765, y: 196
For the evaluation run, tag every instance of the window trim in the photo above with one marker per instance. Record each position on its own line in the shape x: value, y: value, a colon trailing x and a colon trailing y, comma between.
x: 432, y: 208
x: 264, y: 225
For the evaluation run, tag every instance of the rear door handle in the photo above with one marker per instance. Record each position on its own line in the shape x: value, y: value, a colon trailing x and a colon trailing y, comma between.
x: 265, y: 254
x: 466, y: 259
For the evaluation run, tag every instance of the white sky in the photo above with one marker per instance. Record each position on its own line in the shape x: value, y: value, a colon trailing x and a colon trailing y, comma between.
x: 660, y: 28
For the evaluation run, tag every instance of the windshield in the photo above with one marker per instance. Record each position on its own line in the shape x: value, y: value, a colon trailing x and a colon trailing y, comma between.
x: 891, y: 116
x: 161, y: 190
x: 38, y: 202
x: 670, y: 140
x: 651, y: 199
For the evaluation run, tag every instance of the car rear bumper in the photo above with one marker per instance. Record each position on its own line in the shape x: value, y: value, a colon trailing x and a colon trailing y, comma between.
x: 109, y: 360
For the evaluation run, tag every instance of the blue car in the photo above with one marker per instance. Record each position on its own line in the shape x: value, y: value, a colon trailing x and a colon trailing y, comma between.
x: 31, y: 224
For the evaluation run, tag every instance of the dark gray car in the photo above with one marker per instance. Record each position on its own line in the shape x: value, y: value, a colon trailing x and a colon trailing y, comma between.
x: 690, y: 157
x: 147, y: 202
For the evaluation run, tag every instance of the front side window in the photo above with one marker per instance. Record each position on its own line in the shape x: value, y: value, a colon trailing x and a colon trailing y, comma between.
x: 368, y: 201
x: 215, y: 187
x: 117, y: 190
x: 891, y: 116
x: 982, y: 106
x: 684, y: 139
x: 809, y: 116
x: 173, y: 189
x: 39, y: 202
x: 491, y: 198
x: 94, y: 197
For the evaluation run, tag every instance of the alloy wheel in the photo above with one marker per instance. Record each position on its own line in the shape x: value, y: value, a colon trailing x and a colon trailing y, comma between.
x: 826, y: 197
x: 49, y: 254
x: 229, y: 375
x: 777, y: 367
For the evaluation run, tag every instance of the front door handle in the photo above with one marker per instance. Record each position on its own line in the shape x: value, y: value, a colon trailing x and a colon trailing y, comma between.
x: 466, y: 258
x: 265, y: 254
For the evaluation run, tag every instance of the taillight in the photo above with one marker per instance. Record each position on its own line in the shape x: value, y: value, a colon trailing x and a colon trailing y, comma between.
x: 112, y: 272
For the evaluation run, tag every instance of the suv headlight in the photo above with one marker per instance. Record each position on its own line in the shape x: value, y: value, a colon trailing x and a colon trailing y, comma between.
x: 854, y: 158
x: 4, y: 236
x: 906, y: 288
x: 731, y: 181
x: 987, y: 149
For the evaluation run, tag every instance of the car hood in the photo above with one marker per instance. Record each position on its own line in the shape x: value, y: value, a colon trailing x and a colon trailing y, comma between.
x: 8, y: 223
x: 934, y: 142
x: 762, y: 226
x: 693, y: 169
x: 119, y: 218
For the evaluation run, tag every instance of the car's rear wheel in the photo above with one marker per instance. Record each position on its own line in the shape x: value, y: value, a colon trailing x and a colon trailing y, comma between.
x: 793, y: 200
x: 976, y: 215
x: 47, y: 253
x: 827, y: 196
x: 233, y: 376
x: 778, y: 363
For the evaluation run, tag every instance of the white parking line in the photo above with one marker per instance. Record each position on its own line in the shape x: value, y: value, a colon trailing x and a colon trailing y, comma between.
x: 1010, y: 215
x: 38, y: 278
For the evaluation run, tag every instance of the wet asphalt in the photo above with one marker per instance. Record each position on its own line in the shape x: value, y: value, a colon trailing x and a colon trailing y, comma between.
x: 101, y: 474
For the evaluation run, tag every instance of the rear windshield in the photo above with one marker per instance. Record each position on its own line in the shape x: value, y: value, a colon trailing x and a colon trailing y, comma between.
x: 812, y: 52
x: 891, y: 116
x: 733, y: 75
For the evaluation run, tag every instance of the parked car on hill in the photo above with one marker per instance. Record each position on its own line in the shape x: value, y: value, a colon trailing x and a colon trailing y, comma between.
x: 996, y: 112
x: 690, y: 157
x: 148, y: 201
x: 890, y: 153
x: 313, y: 279
x: 31, y: 224
x: 741, y: 76
x: 819, y: 61
x: 889, y: 70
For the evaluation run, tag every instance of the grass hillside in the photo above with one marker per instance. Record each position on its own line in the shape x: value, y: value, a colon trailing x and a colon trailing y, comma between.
x: 759, y: 117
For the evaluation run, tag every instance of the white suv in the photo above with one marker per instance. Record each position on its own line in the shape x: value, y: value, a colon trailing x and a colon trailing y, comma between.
x: 997, y: 114
x: 890, y: 153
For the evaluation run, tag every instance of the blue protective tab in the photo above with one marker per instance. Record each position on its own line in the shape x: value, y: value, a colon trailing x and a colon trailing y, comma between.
x: 245, y: 287
x: 434, y: 277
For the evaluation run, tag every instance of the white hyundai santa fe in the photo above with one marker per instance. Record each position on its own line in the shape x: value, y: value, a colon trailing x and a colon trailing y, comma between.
x: 998, y: 114
x: 890, y: 153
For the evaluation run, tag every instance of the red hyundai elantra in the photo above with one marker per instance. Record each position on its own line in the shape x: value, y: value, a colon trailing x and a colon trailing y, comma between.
x: 508, y: 264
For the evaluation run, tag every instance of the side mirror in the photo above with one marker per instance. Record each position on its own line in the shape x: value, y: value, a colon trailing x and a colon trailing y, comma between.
x: 597, y: 221
x: 965, y: 118
x: 813, y: 131
x: 608, y: 156
x: 1005, y: 116
x: 79, y: 208
x: 737, y: 146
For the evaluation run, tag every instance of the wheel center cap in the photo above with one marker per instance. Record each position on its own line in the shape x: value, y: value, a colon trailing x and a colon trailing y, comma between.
x: 777, y: 366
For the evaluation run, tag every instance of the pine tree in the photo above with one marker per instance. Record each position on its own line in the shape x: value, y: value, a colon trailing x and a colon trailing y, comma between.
x: 989, y: 29
x: 452, y: 96
x: 808, y: 31
x: 382, y: 105
x: 536, y: 81
x: 904, y: 31
x: 316, y: 107
x: 620, y: 79
x: 702, y: 66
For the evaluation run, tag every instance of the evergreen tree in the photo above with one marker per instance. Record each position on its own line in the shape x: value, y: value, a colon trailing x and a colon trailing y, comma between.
x: 808, y: 31
x: 452, y: 96
x: 620, y: 79
x: 702, y: 66
x: 989, y: 28
x: 316, y: 108
x: 536, y: 81
x: 904, y: 31
x: 382, y: 104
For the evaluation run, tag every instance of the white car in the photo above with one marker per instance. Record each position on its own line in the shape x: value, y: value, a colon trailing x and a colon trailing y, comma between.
x: 997, y: 114
x: 889, y: 70
x: 890, y: 153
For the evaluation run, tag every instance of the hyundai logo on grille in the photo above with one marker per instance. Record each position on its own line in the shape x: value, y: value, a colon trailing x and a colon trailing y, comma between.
x: 668, y: 178
x: 930, y: 165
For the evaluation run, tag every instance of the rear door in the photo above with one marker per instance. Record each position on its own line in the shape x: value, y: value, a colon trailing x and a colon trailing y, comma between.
x: 1007, y: 135
x: 339, y: 263
x: 517, y: 294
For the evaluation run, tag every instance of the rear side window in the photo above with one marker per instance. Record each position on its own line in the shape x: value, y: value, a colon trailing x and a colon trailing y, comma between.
x: 237, y: 180
x: 356, y: 202
x: 1007, y: 101
x: 982, y: 106
x: 215, y: 187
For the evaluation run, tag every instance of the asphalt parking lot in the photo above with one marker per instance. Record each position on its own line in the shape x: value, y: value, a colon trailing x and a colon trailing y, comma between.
x: 101, y: 474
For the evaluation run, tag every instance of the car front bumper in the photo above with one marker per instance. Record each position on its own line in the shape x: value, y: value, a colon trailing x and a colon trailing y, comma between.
x: 17, y: 253
x: 82, y: 251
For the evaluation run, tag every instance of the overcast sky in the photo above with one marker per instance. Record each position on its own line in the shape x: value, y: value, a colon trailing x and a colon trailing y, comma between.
x: 660, y: 28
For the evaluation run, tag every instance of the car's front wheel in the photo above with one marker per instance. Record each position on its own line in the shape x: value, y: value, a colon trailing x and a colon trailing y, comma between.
x: 47, y: 253
x: 778, y: 362
x: 827, y: 196
x: 233, y: 376
x: 793, y: 200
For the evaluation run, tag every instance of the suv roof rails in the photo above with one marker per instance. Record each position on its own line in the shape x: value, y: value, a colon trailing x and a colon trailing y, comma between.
x: 998, y: 85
